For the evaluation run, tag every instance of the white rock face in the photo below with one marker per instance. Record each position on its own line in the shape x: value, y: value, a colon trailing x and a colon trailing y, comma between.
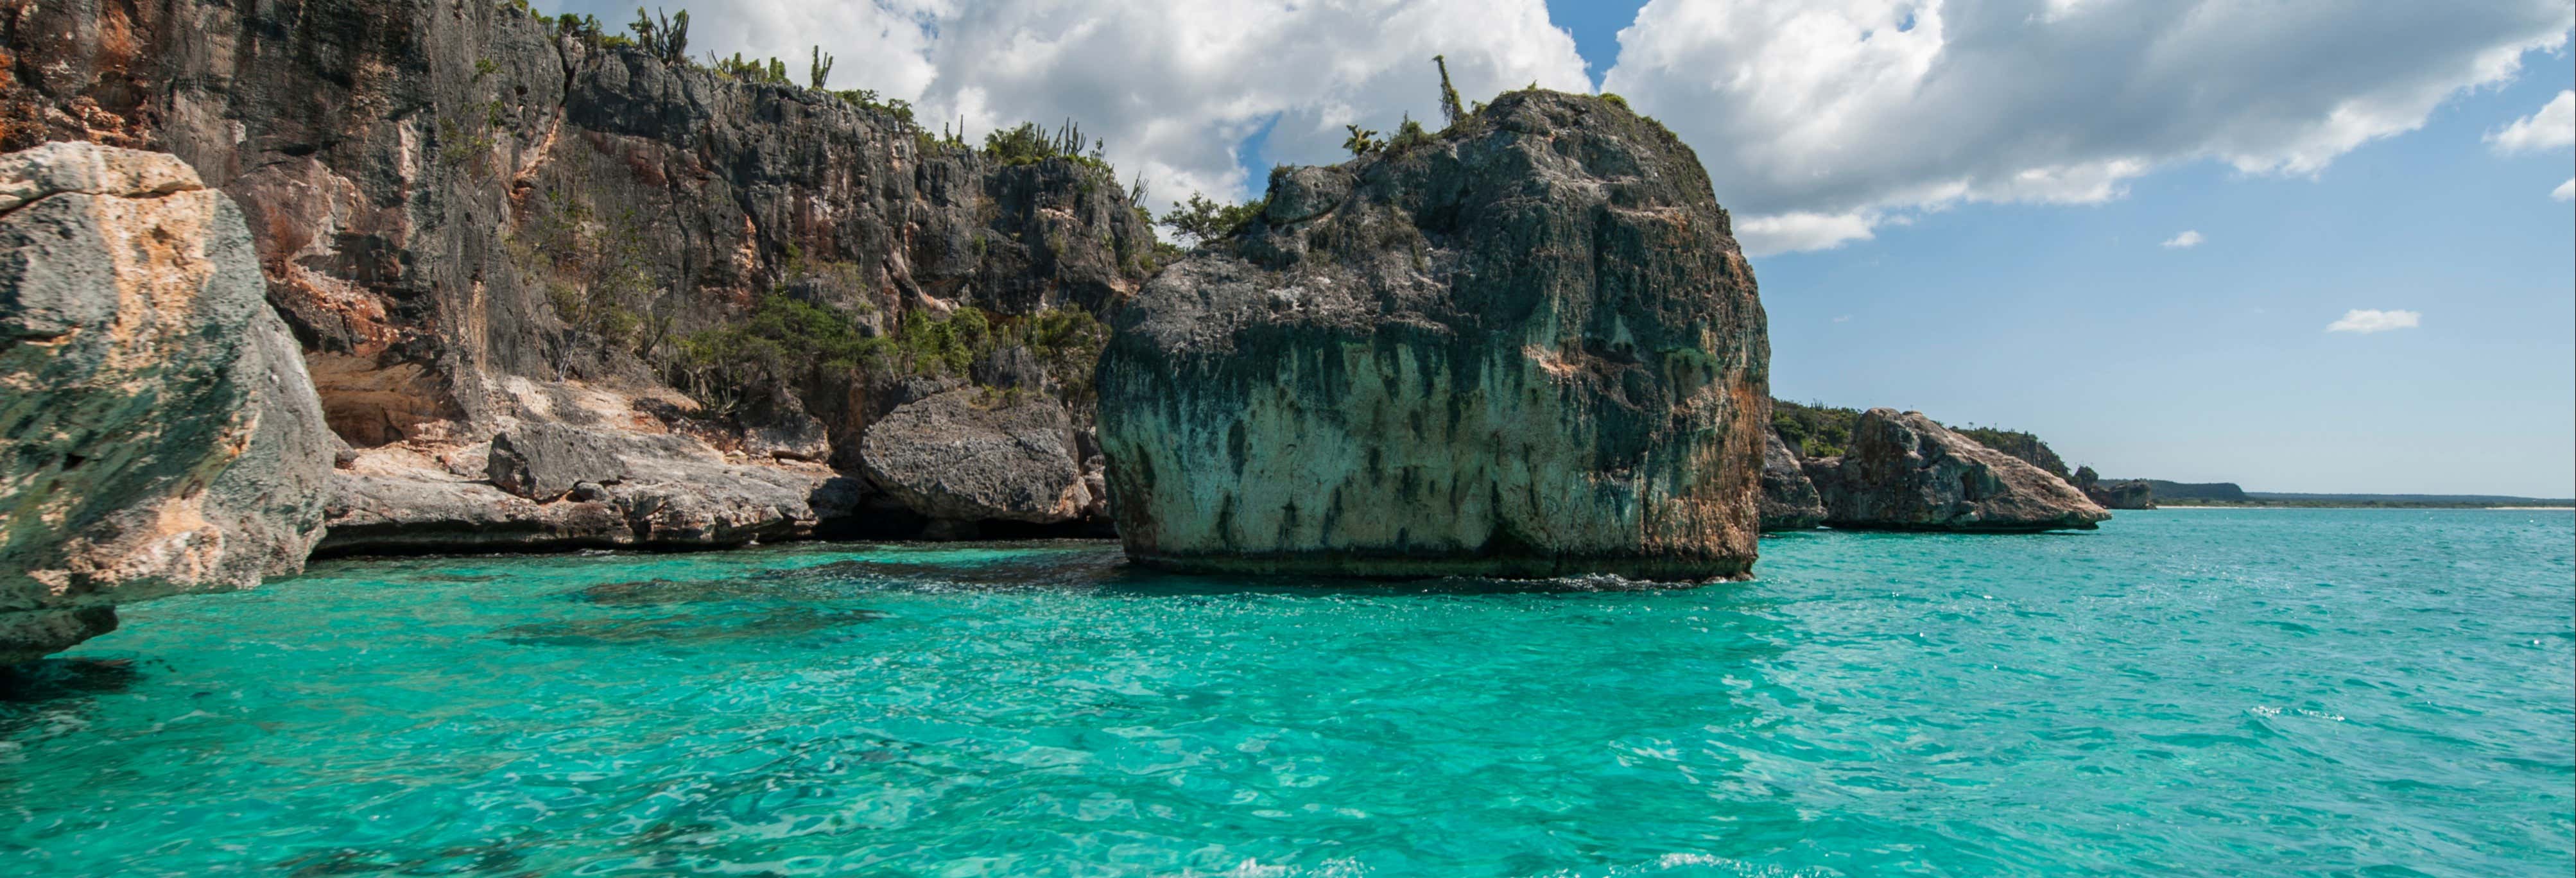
x: 158, y: 433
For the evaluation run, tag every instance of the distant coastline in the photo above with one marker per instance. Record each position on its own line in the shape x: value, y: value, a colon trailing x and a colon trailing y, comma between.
x: 2535, y: 505
x: 2228, y: 495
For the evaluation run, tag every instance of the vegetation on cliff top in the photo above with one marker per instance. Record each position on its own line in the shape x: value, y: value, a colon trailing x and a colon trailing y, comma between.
x: 1818, y: 430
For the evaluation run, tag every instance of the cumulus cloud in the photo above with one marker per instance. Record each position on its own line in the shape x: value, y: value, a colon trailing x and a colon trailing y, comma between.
x: 2553, y: 126
x: 1171, y: 88
x: 2367, y: 320
x: 2565, y: 190
x: 1819, y: 121
x: 2189, y: 238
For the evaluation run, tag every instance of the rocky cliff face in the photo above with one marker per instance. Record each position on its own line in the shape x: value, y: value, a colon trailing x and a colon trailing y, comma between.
x: 2025, y: 447
x: 1788, y: 500
x: 1905, y: 472
x: 157, y: 431
x: 1526, y: 347
x: 475, y: 221
x: 2120, y: 494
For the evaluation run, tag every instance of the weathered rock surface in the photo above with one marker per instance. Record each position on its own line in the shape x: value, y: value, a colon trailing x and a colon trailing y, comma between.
x: 157, y: 431
x: 962, y: 457
x: 1529, y: 347
x: 469, y: 216
x: 543, y: 462
x: 1788, y: 501
x: 2121, y: 494
x: 1902, y: 471
x: 668, y: 492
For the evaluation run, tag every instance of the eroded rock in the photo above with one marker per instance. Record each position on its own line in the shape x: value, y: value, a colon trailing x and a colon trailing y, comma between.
x: 1902, y: 471
x: 1529, y: 347
x: 1789, y: 500
x: 972, y: 455
x: 2121, y: 494
x: 160, y: 433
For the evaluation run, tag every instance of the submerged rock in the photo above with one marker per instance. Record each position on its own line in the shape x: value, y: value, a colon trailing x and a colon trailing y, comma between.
x: 971, y: 455
x: 160, y: 433
x: 1789, y: 500
x: 1527, y: 347
x: 1905, y: 472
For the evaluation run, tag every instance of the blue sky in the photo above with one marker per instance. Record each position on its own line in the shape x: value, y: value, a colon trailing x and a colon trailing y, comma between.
x: 2212, y: 363
x: 1956, y: 206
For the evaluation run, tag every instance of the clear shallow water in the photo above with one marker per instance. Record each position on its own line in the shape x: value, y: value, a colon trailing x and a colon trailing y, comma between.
x: 2312, y: 691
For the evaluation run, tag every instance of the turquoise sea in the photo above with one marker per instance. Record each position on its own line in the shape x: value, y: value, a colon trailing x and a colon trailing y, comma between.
x: 2366, y: 692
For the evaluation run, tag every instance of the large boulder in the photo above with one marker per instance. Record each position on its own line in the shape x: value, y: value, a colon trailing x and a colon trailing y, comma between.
x: 542, y: 461
x: 1902, y: 471
x: 1789, y: 500
x: 974, y: 455
x: 160, y: 433
x: 1529, y: 346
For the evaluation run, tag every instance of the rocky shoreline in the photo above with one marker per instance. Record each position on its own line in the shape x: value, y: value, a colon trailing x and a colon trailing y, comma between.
x: 383, y: 277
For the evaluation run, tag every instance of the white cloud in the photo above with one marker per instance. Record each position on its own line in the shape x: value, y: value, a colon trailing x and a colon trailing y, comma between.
x: 1786, y: 232
x: 1819, y: 122
x: 2553, y: 126
x: 2189, y: 238
x: 1171, y: 87
x: 1842, y: 318
x: 1174, y: 86
x: 1829, y: 118
x: 2367, y: 320
x: 2565, y: 190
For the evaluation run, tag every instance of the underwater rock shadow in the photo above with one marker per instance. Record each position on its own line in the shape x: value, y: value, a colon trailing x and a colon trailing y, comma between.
x: 682, y: 630
x: 52, y: 679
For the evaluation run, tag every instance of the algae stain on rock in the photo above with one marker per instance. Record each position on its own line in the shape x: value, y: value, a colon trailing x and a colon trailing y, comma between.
x: 1530, y: 347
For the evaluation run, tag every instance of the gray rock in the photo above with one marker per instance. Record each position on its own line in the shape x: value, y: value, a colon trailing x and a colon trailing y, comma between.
x: 784, y: 431
x: 2122, y: 494
x: 1902, y: 471
x: 666, y: 502
x: 157, y: 432
x: 542, y: 462
x: 1789, y: 501
x: 968, y: 456
x: 1010, y: 367
x: 1530, y: 347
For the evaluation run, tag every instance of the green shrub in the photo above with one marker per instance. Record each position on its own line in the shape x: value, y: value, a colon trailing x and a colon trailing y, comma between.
x: 1206, y: 221
x: 667, y: 38
x: 1407, y: 136
x: 1030, y: 144
x: 1362, y: 141
x: 749, y: 69
x: 782, y: 341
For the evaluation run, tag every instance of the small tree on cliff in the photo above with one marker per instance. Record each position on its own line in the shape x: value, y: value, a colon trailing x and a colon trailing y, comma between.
x: 1450, y: 111
x: 1362, y: 141
x: 821, y: 69
x: 667, y: 39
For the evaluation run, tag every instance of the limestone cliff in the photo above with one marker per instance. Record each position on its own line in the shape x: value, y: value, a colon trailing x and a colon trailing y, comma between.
x: 1789, y: 500
x: 157, y: 431
x: 1905, y: 472
x: 1527, y: 346
x: 2115, y: 494
x: 477, y: 219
